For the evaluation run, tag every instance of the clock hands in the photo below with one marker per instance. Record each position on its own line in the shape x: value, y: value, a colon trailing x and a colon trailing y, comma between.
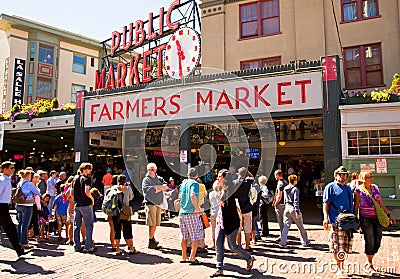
x: 181, y: 56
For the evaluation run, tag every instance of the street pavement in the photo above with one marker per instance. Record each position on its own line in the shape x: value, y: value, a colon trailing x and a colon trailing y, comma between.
x: 54, y: 259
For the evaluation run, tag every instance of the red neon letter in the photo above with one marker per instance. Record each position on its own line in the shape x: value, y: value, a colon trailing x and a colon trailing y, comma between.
x: 243, y: 100
x: 105, y: 112
x: 115, y: 40
x: 159, y: 51
x: 110, y: 78
x: 282, y: 93
x: 204, y: 101
x: 175, y: 104
x: 92, y: 112
x: 133, y: 71
x: 130, y: 108
x: 151, y: 35
x: 121, y: 74
x: 127, y: 45
x: 118, y: 111
x: 161, y: 21
x: 257, y: 95
x: 100, y: 77
x: 169, y: 23
x: 303, y: 84
x: 144, y: 107
x: 146, y: 66
x: 139, y: 31
x: 160, y: 106
x: 223, y: 100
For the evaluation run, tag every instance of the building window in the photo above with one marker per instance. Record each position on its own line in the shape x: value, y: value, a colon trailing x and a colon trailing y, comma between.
x: 92, y: 62
x: 44, y: 88
x: 74, y: 90
x: 30, y: 84
x: 32, y: 52
x: 46, y: 54
x: 363, y: 66
x: 79, y: 64
x: 260, y: 63
x: 359, y: 9
x: 373, y: 142
x: 259, y: 18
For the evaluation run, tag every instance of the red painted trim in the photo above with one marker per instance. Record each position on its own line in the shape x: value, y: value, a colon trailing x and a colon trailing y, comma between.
x: 260, y: 61
x: 361, y: 19
x: 358, y: 11
x: 31, y: 68
x: 48, y: 73
x: 361, y: 50
x: 255, y: 37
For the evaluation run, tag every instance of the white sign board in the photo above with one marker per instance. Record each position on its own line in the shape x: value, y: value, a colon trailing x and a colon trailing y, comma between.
x: 381, y: 165
x: 106, y: 139
x: 296, y: 92
x: 1, y: 135
x: 77, y: 157
x: 367, y: 167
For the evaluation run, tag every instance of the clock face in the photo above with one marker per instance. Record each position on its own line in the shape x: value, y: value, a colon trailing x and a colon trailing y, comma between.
x: 182, y: 53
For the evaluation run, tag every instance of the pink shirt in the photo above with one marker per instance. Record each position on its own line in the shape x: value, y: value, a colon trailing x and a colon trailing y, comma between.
x: 107, y: 179
x: 367, y: 208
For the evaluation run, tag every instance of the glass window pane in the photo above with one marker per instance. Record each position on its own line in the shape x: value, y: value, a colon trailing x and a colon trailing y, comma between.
x: 79, y: 64
x: 369, y: 8
x: 271, y: 62
x: 363, y: 150
x: 270, y: 8
x: 373, y: 55
x: 76, y: 88
x: 373, y: 134
x: 374, y: 150
x: 249, y: 28
x: 385, y: 150
x: 349, y: 11
x: 353, y: 151
x: 352, y: 135
x: 270, y: 25
x: 44, y: 88
x: 353, y: 77
x: 352, y: 143
x: 396, y: 149
x: 362, y: 142
x: 395, y: 132
x: 249, y: 12
x: 373, y: 142
x: 352, y: 57
x: 46, y: 54
x: 362, y: 134
x: 395, y: 141
x: 374, y: 78
x: 384, y: 133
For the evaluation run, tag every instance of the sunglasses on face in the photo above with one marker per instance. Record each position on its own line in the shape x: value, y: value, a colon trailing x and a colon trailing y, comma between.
x: 342, y: 174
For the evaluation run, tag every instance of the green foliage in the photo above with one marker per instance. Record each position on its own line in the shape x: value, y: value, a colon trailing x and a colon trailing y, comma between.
x: 385, y: 94
x: 54, y: 103
x: 15, y: 108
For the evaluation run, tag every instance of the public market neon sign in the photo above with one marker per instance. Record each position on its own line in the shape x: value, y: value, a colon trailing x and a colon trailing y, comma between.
x: 132, y: 37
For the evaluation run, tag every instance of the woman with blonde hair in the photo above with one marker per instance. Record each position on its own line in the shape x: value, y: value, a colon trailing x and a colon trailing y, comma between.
x: 364, y: 206
x: 25, y: 210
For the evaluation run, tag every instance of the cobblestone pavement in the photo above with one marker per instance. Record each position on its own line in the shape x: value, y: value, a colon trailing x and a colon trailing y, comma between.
x: 57, y: 260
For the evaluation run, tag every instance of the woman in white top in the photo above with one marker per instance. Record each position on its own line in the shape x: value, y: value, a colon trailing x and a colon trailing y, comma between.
x: 25, y: 210
x: 118, y: 223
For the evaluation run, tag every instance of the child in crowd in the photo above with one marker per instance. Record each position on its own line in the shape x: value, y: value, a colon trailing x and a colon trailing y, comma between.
x: 60, y: 207
x: 98, y: 201
x: 44, y: 216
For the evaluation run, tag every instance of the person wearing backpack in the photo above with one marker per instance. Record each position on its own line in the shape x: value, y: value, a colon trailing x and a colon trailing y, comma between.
x: 267, y: 197
x: 83, y: 208
x: 120, y: 223
x: 25, y: 209
x: 292, y: 213
x: 7, y: 169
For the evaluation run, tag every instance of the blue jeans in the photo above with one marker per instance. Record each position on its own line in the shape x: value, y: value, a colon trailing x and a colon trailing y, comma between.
x: 85, y: 212
x: 219, y: 243
x: 372, y: 231
x: 24, y: 215
x: 50, y: 205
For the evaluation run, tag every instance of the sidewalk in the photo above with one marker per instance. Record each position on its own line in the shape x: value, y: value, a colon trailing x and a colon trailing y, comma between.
x: 56, y: 260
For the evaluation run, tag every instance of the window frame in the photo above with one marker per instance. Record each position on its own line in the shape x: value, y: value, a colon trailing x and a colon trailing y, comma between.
x: 363, y: 66
x: 358, y: 11
x: 260, y: 61
x: 388, y: 143
x: 84, y: 65
x: 259, y: 20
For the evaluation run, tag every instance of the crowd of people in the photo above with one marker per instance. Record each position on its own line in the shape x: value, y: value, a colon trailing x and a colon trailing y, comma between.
x: 237, y: 201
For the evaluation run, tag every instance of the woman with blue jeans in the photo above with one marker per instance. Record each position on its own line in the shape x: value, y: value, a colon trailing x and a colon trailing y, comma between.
x: 24, y: 211
x: 228, y: 223
x: 370, y: 225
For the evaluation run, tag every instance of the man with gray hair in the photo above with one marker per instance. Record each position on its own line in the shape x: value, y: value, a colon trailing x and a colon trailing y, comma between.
x: 62, y: 179
x: 190, y: 224
x: 153, y: 187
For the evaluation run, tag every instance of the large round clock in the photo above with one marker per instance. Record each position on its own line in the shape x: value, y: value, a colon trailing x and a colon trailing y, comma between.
x: 182, y: 53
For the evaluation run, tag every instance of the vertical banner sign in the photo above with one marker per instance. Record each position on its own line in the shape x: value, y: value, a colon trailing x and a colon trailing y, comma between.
x: 329, y: 68
x: 1, y: 135
x: 19, y: 81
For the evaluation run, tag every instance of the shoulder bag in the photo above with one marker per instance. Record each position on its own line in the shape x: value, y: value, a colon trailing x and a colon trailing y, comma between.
x: 382, y: 217
x: 19, y: 197
x: 346, y: 221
